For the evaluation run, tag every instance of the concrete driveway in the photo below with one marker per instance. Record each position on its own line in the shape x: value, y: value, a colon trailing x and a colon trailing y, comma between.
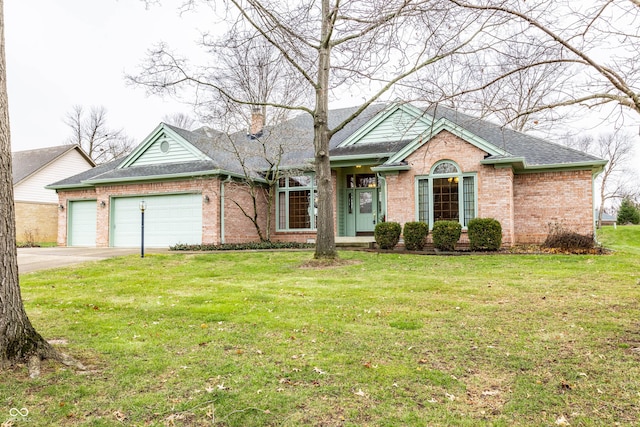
x: 34, y: 259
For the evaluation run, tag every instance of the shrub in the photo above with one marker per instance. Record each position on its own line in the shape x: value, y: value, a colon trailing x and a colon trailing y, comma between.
x: 415, y: 235
x: 387, y: 234
x: 485, y: 234
x: 445, y: 234
x: 628, y: 213
x: 560, y: 238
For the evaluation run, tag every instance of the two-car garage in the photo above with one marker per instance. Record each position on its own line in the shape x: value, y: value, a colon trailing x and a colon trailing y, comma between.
x: 168, y: 219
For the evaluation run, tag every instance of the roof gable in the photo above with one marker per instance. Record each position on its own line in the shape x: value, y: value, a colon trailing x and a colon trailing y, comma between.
x: 164, y: 145
x: 399, y: 122
x: 29, y: 162
x: 440, y: 125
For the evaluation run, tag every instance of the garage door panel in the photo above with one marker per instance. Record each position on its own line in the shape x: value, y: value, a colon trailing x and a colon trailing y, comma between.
x: 168, y: 219
x: 81, y: 229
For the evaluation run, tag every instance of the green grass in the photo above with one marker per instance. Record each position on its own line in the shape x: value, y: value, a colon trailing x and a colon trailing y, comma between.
x: 255, y: 339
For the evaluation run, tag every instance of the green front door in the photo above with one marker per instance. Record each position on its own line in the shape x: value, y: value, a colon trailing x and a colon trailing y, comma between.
x: 366, y: 210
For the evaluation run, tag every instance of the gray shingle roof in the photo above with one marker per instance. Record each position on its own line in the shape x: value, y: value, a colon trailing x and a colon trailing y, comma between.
x: 535, y: 151
x: 297, y: 135
x: 26, y: 163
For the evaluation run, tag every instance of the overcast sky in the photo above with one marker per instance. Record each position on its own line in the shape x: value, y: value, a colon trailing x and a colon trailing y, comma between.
x: 66, y: 52
x: 76, y: 52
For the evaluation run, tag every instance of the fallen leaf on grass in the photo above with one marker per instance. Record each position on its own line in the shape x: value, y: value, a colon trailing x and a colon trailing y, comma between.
x: 360, y: 393
x: 562, y: 421
x: 451, y: 397
x: 491, y: 392
x: 120, y: 416
x: 319, y: 371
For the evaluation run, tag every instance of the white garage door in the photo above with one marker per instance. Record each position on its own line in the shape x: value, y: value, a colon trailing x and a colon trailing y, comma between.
x: 168, y: 219
x: 81, y: 225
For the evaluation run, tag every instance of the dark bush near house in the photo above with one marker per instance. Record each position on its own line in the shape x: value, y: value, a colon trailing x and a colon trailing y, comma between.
x: 387, y: 234
x: 485, y: 234
x: 445, y: 235
x: 565, y: 240
x: 415, y: 235
x: 241, y: 246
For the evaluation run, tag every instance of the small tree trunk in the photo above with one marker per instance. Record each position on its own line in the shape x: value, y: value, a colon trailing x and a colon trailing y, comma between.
x: 19, y: 341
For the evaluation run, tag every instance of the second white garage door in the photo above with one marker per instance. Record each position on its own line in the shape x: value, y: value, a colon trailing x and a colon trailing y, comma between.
x: 168, y: 219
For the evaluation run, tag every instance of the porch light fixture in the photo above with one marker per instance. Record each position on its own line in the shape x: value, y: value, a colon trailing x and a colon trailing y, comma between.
x: 206, y: 199
x: 143, y: 206
x: 103, y: 204
x: 61, y: 207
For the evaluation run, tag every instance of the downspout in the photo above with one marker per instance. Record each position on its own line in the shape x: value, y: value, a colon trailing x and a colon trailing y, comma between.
x: 222, y: 183
x: 383, y: 180
x: 595, y: 175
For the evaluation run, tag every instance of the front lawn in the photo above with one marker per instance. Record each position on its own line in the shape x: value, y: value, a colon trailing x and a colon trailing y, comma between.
x: 255, y: 339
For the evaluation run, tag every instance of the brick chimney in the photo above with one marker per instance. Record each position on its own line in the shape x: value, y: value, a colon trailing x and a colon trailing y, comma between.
x: 257, y: 121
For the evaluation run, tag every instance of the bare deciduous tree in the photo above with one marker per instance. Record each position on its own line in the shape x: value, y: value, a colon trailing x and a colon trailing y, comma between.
x: 617, y: 181
x: 328, y: 47
x: 181, y: 120
x: 599, y: 39
x: 91, y: 132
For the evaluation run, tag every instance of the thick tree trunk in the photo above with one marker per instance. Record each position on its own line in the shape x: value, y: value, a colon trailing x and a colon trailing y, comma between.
x: 19, y: 341
x: 325, y: 238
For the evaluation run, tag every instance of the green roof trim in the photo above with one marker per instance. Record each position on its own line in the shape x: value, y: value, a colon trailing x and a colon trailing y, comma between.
x: 153, y: 137
x: 439, y: 126
x: 408, y: 109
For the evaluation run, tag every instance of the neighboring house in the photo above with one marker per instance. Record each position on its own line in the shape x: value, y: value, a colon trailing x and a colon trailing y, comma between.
x: 37, y: 207
x: 396, y: 163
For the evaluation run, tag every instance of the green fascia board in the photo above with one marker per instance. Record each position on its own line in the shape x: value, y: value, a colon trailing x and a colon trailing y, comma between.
x: 91, y: 182
x: 348, y: 161
x: 415, y: 112
x: 391, y: 168
x: 152, y: 137
x: 67, y: 186
x: 520, y: 166
x: 436, y: 128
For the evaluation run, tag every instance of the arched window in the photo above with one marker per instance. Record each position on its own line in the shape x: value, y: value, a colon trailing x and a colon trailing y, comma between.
x: 446, y: 194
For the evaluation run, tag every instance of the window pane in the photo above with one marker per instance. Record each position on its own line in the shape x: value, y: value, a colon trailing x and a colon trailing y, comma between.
x: 299, y: 209
x: 350, y: 181
x: 469, y: 199
x: 446, y: 167
x: 282, y: 210
x: 423, y: 200
x: 300, y: 181
x: 366, y: 202
x: 363, y: 181
x: 445, y: 196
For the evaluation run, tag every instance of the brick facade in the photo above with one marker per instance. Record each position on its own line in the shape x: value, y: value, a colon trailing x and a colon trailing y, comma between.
x: 36, y: 222
x: 545, y: 199
x: 524, y: 204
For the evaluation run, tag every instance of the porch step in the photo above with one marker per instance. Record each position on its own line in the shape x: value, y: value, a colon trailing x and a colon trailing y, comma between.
x: 355, y: 242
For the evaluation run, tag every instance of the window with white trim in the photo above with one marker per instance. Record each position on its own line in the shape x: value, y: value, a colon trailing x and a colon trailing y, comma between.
x: 296, y: 208
x: 446, y: 194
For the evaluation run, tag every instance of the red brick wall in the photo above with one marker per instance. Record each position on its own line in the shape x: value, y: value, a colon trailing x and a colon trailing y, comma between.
x: 495, y: 186
x: 237, y: 227
x: 544, y: 199
x: 207, y: 186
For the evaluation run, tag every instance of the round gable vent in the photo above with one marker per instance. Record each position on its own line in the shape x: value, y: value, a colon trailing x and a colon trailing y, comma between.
x: 164, y: 146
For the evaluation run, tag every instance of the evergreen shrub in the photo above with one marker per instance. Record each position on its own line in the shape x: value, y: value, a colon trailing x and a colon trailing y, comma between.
x: 445, y: 234
x: 387, y: 234
x: 485, y: 234
x: 415, y: 235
